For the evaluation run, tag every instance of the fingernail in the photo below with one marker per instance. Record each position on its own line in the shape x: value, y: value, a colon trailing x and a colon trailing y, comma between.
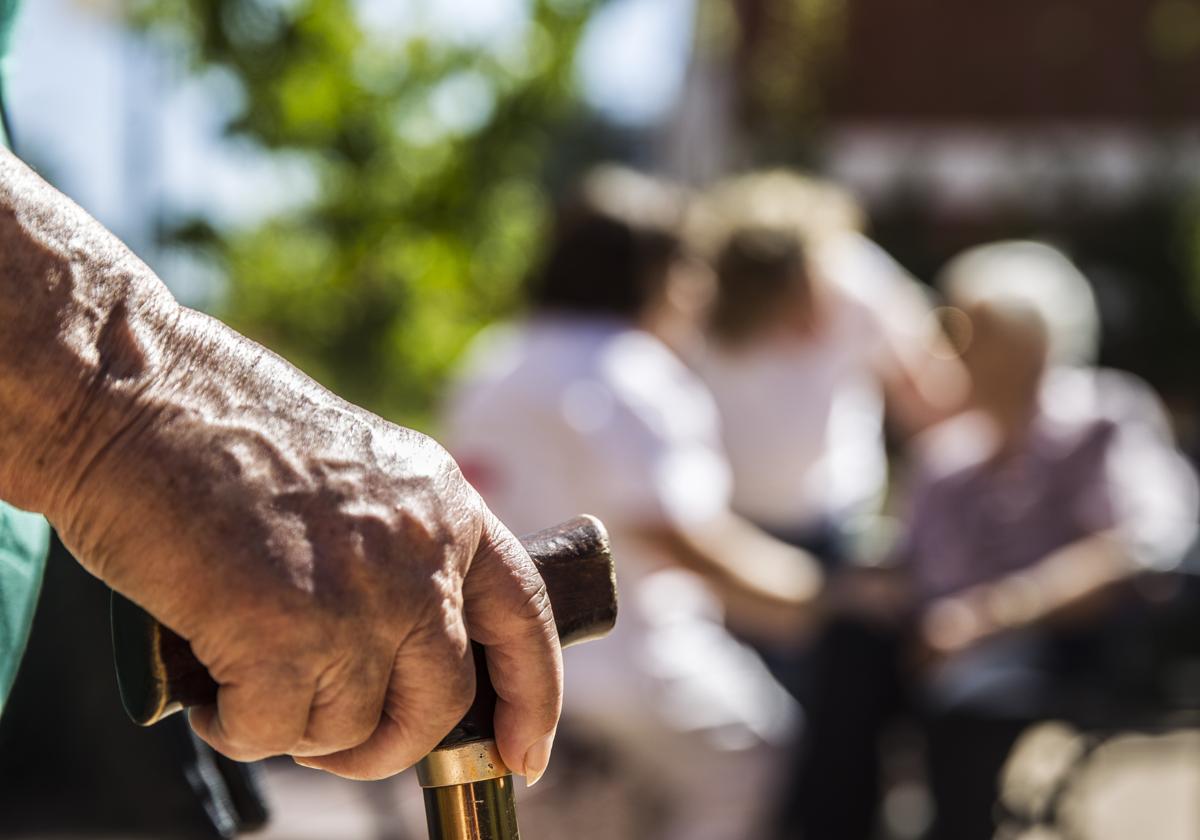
x: 537, y: 759
x: 304, y: 763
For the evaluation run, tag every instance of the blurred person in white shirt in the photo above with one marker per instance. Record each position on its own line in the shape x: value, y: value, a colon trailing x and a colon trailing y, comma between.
x: 583, y: 406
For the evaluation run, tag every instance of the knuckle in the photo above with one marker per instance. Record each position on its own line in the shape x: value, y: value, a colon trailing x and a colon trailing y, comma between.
x: 361, y: 729
x: 434, y: 459
x: 443, y: 654
x: 442, y: 618
x: 535, y: 607
x: 336, y: 729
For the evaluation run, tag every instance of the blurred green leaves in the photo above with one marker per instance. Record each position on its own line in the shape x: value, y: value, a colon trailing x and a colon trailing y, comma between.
x: 426, y: 150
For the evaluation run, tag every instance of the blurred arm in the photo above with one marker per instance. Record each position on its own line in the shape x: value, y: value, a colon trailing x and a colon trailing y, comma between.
x: 922, y: 377
x: 923, y: 386
x: 1139, y: 502
x: 1070, y: 585
x: 769, y: 589
x: 736, y: 555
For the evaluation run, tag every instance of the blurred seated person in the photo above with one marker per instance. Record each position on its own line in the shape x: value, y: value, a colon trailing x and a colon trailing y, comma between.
x: 814, y: 329
x: 583, y: 406
x: 1026, y: 512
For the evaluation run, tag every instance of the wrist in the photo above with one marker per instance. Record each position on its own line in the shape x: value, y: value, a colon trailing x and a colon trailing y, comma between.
x: 84, y: 328
x: 81, y: 325
x: 78, y: 385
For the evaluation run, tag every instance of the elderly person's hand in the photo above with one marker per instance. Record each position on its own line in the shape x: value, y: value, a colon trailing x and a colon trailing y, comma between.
x: 329, y: 568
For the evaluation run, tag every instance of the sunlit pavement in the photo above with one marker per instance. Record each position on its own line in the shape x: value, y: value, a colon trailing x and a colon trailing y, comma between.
x: 1134, y: 786
x: 310, y: 805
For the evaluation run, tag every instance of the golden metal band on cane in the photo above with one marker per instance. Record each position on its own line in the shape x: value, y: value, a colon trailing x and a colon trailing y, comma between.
x: 468, y: 793
x: 463, y: 764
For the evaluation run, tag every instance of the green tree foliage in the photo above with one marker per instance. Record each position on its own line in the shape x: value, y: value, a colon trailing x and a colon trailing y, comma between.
x: 426, y: 152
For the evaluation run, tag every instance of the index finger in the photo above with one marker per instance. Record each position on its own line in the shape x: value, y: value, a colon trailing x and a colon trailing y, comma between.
x: 507, y: 610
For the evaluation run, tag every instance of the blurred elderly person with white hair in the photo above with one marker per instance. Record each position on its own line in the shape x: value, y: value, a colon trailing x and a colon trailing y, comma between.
x: 1026, y: 513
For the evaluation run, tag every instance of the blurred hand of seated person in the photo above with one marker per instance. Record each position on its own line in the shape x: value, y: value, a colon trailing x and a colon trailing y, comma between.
x: 328, y: 568
x: 1060, y: 482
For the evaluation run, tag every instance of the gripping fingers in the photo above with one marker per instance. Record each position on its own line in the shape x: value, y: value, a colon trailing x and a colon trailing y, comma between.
x: 431, y: 687
x: 347, y: 707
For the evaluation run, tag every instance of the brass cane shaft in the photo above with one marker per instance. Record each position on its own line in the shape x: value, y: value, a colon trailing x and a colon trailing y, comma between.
x: 476, y: 811
x: 468, y: 793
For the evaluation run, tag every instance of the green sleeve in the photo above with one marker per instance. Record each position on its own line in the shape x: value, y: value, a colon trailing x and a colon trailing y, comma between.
x: 24, y: 537
x: 8, y: 14
x: 24, y: 540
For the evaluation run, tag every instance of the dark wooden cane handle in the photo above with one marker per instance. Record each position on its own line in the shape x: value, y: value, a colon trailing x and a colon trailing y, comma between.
x: 158, y: 674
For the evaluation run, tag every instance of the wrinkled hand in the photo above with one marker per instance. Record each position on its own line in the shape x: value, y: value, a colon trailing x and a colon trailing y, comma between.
x: 328, y: 568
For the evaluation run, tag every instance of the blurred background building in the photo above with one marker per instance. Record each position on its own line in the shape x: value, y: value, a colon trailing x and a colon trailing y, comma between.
x: 959, y: 123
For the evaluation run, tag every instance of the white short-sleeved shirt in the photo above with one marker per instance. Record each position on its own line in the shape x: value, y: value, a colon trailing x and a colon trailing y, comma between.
x: 802, y: 417
x: 558, y: 416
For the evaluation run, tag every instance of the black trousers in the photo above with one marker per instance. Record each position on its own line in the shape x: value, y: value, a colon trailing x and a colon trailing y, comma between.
x: 71, y: 762
x: 856, y: 693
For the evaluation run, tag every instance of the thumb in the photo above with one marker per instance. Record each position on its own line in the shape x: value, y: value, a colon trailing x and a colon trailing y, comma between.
x: 508, y: 611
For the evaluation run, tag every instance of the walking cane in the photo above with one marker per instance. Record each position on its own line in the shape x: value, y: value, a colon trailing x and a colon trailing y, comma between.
x: 468, y: 790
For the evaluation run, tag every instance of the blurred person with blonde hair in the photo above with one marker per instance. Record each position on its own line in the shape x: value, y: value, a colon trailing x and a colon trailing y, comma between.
x: 1026, y: 513
x: 584, y: 406
x: 814, y: 330
x: 814, y: 335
